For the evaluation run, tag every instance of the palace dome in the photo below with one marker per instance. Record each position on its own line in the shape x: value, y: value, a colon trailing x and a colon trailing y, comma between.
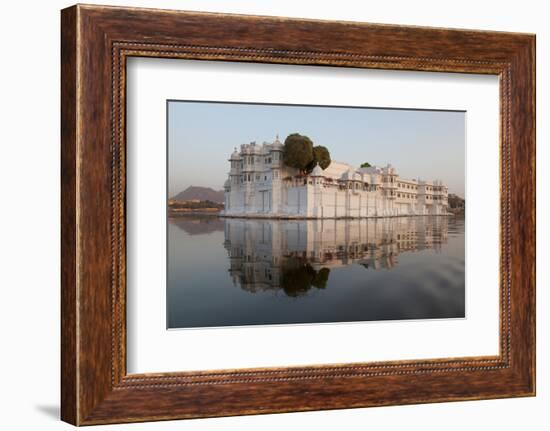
x: 351, y: 175
x: 277, y: 145
x: 317, y: 171
x: 235, y: 155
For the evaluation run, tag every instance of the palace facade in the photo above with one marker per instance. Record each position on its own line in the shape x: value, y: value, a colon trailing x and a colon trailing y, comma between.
x: 261, y: 185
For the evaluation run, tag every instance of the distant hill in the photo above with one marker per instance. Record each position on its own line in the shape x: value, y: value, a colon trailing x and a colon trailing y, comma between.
x: 199, y: 225
x: 201, y: 193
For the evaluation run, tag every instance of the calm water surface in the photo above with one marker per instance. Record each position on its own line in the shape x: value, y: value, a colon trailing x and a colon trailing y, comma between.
x: 226, y: 272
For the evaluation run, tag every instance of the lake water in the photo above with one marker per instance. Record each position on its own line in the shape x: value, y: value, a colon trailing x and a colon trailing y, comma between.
x: 226, y: 272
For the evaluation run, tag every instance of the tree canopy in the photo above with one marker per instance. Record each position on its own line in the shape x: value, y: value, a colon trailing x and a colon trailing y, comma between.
x: 299, y: 153
x: 366, y: 165
x: 321, y: 155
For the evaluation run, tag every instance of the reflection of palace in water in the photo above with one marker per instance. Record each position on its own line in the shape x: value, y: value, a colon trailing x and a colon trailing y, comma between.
x: 295, y: 255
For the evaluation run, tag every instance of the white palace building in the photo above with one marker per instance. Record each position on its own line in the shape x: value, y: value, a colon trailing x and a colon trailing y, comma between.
x: 261, y: 185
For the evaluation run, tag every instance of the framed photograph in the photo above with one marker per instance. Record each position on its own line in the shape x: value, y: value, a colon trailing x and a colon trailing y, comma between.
x: 265, y: 214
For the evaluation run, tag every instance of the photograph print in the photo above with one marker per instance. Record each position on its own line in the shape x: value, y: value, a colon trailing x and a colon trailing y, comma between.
x: 299, y: 214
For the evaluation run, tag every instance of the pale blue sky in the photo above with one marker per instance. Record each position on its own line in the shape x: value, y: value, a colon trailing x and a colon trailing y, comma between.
x: 420, y: 144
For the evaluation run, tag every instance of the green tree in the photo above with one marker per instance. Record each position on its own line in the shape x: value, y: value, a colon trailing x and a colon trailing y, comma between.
x: 366, y: 165
x: 298, y: 151
x: 321, y: 155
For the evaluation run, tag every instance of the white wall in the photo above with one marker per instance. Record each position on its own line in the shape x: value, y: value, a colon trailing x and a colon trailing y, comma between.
x: 29, y: 235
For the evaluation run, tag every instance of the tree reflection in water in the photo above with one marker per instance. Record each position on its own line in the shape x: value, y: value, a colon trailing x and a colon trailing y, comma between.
x: 298, y: 277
